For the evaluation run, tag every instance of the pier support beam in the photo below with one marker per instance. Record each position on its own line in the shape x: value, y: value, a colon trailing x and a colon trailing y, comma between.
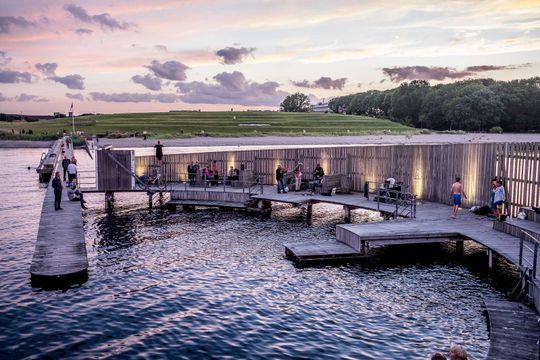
x: 309, y: 213
x: 459, y: 247
x: 265, y: 208
x: 109, y: 200
x: 150, y: 200
x: 346, y: 214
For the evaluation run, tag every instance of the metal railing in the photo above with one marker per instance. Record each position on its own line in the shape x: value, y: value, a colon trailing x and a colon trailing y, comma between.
x: 524, y: 248
x: 157, y: 181
x: 404, y: 202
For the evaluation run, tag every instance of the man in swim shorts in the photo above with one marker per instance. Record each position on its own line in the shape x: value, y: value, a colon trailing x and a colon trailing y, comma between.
x: 456, y: 193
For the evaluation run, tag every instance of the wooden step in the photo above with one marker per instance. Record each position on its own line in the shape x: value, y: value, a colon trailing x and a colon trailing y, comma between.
x: 514, y: 227
x: 531, y: 214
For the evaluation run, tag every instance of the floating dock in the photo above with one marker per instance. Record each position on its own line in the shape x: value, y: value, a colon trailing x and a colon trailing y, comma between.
x: 514, y: 331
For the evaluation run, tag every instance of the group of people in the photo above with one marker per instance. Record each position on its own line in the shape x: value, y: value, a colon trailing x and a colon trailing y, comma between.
x: 456, y: 352
x: 212, y: 173
x: 497, y: 197
x: 281, y: 174
x: 69, y: 167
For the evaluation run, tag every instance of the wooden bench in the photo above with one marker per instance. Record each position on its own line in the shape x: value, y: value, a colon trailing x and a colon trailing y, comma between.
x: 341, y: 183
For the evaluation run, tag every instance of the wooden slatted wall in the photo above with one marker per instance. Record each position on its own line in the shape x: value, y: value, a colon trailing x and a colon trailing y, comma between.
x: 427, y: 170
x: 518, y: 164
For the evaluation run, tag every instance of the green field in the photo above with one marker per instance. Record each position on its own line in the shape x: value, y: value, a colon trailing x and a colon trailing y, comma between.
x: 188, y: 124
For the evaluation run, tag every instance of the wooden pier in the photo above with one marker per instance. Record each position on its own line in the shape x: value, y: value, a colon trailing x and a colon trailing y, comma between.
x: 60, y: 251
x: 514, y: 331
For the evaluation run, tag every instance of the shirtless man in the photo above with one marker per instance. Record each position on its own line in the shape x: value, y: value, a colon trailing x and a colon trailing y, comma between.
x: 456, y: 193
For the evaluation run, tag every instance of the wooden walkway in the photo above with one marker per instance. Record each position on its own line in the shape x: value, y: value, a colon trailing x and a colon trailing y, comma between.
x: 60, y: 249
x: 514, y: 331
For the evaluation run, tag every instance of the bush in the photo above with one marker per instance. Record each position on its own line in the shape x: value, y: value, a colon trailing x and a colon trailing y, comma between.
x: 425, y: 131
x: 496, y: 130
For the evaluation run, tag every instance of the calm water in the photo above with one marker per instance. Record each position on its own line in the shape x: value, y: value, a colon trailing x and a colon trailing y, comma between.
x: 194, y: 284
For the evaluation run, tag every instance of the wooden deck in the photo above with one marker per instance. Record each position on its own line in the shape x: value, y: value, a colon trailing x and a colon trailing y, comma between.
x: 352, y: 200
x: 514, y: 331
x: 60, y: 250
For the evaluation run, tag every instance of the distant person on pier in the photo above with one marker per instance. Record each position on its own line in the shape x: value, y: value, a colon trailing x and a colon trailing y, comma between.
x: 57, y: 186
x: 457, y: 352
x: 215, y: 172
x: 280, y: 178
x: 206, y: 173
x: 499, y: 197
x: 492, y: 196
x: 298, y: 177
x: 75, y: 194
x: 191, y: 170
x: 456, y: 193
x: 65, y: 164
x: 159, y: 153
x: 318, y: 174
x: 72, y: 171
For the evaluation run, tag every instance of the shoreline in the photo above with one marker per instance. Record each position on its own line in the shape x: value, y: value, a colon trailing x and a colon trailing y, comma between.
x: 297, y: 140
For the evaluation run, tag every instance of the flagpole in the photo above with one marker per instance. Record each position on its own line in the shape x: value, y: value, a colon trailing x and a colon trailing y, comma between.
x: 72, y: 119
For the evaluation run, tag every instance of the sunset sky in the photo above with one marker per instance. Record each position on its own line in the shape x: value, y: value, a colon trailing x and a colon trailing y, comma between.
x: 131, y: 56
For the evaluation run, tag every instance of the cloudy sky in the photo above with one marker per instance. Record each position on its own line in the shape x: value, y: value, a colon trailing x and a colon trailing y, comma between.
x: 128, y: 56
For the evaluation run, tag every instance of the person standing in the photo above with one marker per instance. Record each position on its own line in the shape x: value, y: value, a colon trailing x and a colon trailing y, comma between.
x: 298, y: 177
x: 191, y: 173
x: 215, y: 172
x: 72, y: 171
x: 280, y: 178
x: 57, y: 187
x: 456, y: 193
x: 499, y: 197
x: 159, y: 153
x: 65, y: 164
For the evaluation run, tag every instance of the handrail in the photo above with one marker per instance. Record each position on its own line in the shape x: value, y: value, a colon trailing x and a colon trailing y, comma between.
x: 534, y: 251
x: 111, y: 156
x: 404, y: 201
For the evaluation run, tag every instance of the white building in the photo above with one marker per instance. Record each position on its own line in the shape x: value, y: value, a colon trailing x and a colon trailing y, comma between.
x: 320, y: 107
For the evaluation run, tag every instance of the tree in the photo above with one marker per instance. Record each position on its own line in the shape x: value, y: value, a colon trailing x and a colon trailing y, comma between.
x: 472, y: 105
x: 297, y: 102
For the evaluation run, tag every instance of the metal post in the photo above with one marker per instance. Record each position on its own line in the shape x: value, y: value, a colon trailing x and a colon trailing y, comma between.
x: 521, y: 252
x: 535, y: 259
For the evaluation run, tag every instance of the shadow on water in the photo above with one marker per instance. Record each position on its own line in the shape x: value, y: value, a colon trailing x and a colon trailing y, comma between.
x: 62, y: 283
x: 504, y: 276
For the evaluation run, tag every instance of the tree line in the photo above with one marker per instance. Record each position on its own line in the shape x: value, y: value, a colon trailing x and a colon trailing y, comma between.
x: 470, y: 105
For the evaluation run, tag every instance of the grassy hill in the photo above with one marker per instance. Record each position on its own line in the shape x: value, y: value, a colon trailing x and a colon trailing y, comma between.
x: 187, y: 124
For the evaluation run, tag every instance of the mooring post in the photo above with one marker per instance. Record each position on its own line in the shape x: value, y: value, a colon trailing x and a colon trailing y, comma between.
x: 265, y: 208
x: 346, y: 214
x: 309, y: 213
x: 109, y: 200
x: 490, y: 259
